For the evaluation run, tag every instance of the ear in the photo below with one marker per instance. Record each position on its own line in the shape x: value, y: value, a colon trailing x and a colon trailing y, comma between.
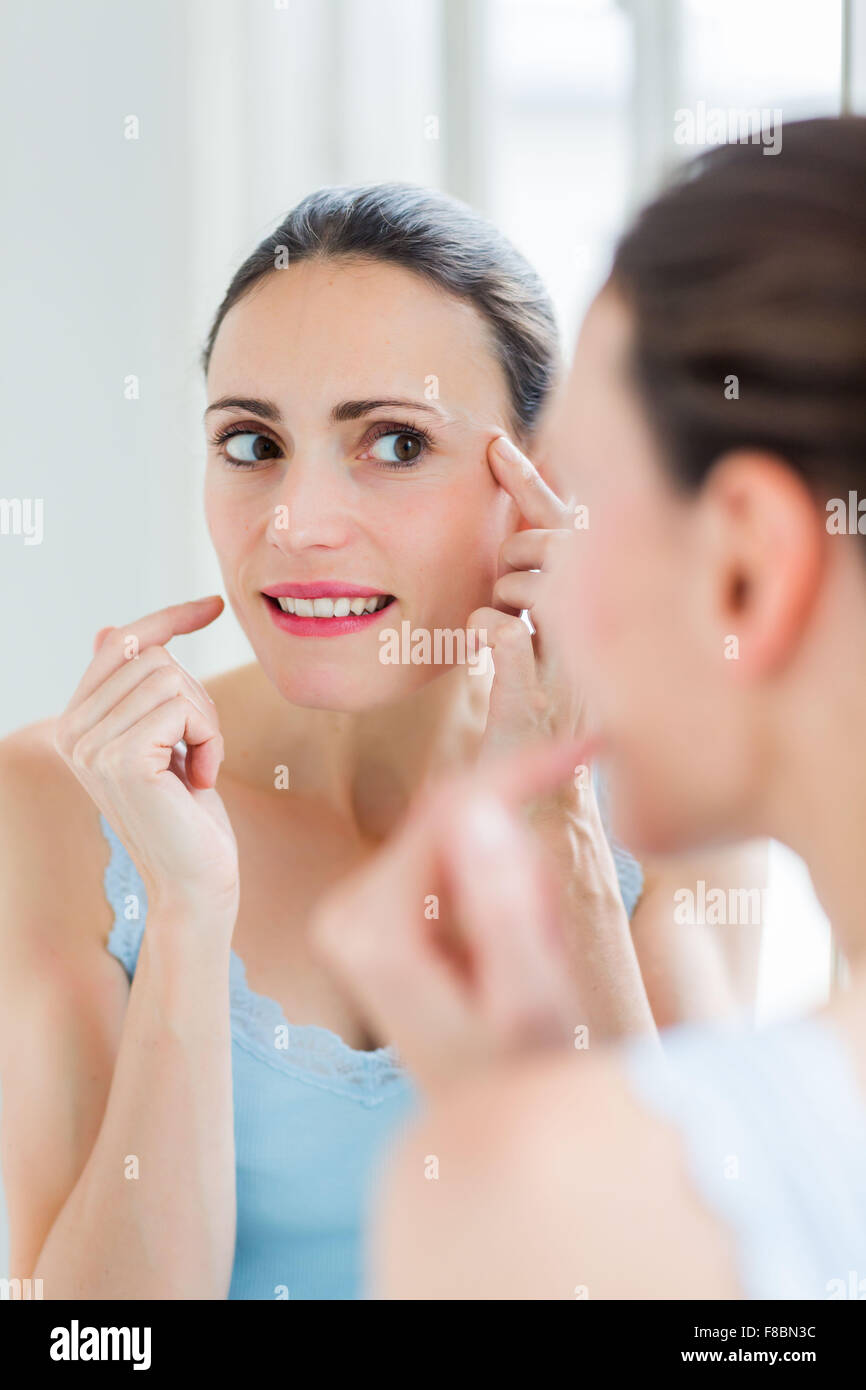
x: 766, y: 541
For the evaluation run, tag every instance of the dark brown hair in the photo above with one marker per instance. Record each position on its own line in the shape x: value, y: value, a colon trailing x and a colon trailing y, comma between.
x: 754, y: 266
x: 447, y: 244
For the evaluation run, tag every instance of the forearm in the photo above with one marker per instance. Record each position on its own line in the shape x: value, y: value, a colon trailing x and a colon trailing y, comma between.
x: 153, y: 1212
x: 605, y: 968
x: 609, y: 980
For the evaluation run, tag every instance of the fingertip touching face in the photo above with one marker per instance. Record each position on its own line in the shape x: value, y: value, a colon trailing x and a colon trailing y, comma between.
x: 350, y: 409
x: 639, y: 614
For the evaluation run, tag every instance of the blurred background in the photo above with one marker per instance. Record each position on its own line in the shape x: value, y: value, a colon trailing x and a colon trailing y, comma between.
x: 147, y: 148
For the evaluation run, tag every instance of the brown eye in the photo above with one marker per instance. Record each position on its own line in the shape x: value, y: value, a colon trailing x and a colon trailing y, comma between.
x: 398, y: 448
x: 247, y: 447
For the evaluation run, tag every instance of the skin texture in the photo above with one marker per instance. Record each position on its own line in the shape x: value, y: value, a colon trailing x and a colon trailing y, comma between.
x: 532, y: 1204
x: 110, y: 1070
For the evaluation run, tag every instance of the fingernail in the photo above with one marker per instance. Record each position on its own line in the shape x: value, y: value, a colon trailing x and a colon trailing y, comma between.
x: 510, y: 453
x: 507, y: 449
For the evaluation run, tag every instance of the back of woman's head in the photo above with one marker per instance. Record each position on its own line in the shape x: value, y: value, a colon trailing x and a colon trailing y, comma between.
x: 746, y: 282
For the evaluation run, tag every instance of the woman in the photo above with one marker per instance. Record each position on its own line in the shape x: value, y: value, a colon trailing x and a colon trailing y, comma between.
x: 365, y: 359
x: 714, y: 429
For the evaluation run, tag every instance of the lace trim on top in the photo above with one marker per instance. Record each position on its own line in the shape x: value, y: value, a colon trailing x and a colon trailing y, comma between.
x: 305, y: 1051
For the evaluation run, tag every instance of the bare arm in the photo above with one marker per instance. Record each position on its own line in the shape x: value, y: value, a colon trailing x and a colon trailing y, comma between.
x: 605, y: 965
x: 152, y: 1214
x: 117, y: 1148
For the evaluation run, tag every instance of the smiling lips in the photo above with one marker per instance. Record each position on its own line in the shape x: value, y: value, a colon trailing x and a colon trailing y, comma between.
x: 324, y: 610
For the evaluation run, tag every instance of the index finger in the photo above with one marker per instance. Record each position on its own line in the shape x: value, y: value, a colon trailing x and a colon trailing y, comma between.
x: 517, y: 474
x: 119, y: 644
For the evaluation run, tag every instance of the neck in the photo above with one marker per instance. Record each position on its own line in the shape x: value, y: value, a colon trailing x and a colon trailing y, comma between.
x: 367, y: 764
x: 817, y: 802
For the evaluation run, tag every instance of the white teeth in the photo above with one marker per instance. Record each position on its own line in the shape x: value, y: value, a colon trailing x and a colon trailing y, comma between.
x: 331, y: 607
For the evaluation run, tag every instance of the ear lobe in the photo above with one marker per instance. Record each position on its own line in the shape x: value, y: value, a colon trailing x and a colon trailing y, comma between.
x: 771, y: 554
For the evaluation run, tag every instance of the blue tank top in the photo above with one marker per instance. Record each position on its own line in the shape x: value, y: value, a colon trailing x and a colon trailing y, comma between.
x: 313, y: 1121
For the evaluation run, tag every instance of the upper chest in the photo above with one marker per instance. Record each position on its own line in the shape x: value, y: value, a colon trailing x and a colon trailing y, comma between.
x: 290, y: 852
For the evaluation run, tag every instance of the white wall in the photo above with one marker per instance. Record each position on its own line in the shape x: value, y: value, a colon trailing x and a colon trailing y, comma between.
x: 95, y: 255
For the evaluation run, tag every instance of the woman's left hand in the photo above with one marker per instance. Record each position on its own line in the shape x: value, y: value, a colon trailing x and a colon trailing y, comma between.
x: 450, y: 938
x: 530, y: 695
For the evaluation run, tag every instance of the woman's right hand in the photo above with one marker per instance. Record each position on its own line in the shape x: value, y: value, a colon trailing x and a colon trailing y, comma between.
x: 119, y: 735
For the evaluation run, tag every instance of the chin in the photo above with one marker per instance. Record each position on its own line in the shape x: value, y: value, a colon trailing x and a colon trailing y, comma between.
x: 349, y: 690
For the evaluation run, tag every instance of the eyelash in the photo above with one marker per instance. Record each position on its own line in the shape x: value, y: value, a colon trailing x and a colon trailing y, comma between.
x: 379, y: 431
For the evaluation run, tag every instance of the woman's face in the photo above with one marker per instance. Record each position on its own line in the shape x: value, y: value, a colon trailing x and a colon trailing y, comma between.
x: 355, y: 469
x: 637, y: 612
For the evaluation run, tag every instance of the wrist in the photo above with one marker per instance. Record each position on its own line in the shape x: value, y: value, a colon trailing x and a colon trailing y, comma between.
x: 180, y: 915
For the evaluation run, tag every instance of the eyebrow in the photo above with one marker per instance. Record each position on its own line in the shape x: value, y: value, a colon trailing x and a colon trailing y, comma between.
x: 345, y: 410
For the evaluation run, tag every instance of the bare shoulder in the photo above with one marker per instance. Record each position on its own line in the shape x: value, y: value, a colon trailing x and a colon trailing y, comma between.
x: 52, y: 851
x: 548, y: 1180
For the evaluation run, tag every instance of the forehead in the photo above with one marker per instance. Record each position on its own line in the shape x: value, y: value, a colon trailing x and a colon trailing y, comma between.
x: 356, y: 326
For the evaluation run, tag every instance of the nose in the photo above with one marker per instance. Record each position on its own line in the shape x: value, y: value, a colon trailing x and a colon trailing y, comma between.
x: 312, y: 508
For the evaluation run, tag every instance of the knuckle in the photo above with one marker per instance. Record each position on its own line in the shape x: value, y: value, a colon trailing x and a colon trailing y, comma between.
x: 478, y: 618
x: 165, y: 679
x: 155, y: 658
x: 83, y: 753
x: 104, y: 759
x: 556, y: 542
x: 163, y: 685
x: 99, y: 758
x: 512, y: 634
x: 178, y: 705
x: 62, y: 741
x: 508, y: 546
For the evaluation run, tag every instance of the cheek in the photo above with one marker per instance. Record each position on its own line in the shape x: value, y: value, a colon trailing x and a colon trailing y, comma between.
x: 605, y: 603
x: 447, y: 538
x: 584, y: 604
x: 231, y: 525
